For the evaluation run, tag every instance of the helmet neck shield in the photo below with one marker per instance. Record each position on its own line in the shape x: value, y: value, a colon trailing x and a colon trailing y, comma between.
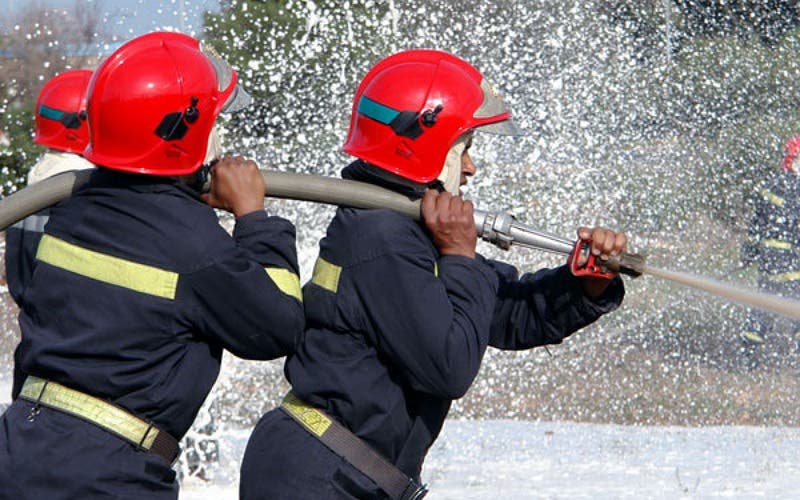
x: 451, y: 172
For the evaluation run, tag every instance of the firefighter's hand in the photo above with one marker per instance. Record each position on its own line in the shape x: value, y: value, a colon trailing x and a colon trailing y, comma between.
x: 451, y: 223
x: 605, y: 243
x: 236, y: 186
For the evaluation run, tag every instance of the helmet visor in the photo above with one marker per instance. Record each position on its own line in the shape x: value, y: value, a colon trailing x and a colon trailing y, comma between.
x: 239, y: 98
x: 494, y: 106
x: 237, y: 101
x: 505, y: 127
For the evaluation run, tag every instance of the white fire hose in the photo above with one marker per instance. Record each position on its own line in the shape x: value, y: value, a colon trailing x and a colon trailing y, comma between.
x: 498, y: 228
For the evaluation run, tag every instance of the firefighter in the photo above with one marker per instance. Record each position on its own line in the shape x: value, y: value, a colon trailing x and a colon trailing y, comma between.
x: 138, y: 289
x: 59, y: 125
x: 773, y: 243
x: 399, y: 313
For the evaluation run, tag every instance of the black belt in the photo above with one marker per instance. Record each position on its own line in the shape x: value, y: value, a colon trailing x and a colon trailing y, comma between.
x: 144, y: 435
x: 350, y: 447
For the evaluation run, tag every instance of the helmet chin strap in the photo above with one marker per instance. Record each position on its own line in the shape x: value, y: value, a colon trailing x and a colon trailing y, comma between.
x: 450, y: 176
x: 200, y: 181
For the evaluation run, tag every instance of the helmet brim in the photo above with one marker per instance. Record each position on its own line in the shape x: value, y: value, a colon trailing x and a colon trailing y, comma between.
x: 226, y: 76
x: 237, y: 101
x: 505, y: 127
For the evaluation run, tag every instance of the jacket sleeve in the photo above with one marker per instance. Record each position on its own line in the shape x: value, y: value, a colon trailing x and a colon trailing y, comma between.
x: 249, y: 299
x: 758, y: 222
x: 22, y: 240
x: 18, y: 376
x: 545, y: 307
x: 430, y: 319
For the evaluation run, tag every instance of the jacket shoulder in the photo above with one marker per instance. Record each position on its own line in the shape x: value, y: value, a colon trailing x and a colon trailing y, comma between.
x: 160, y: 229
x: 368, y: 234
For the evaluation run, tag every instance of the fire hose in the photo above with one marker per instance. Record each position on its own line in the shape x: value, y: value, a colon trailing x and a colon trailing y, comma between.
x: 498, y: 228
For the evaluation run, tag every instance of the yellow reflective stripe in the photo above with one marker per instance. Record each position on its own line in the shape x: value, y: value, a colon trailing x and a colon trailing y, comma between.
x: 91, y: 409
x: 311, y: 418
x: 286, y: 281
x: 108, y: 269
x: 795, y: 275
x: 780, y: 244
x: 436, y: 269
x: 326, y: 275
x: 754, y: 337
x: 773, y: 198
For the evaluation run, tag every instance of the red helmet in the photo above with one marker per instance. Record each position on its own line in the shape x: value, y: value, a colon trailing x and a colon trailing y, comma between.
x: 412, y: 106
x: 791, y: 150
x: 60, y: 121
x: 153, y: 102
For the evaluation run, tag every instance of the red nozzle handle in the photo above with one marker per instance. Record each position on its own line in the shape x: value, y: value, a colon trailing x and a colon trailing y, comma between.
x: 592, y: 267
x: 631, y: 264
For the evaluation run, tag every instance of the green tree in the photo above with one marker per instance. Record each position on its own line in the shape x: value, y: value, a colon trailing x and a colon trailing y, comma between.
x: 301, y: 62
x: 19, y: 156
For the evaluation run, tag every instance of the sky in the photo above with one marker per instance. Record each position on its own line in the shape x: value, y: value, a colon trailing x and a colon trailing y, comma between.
x: 128, y: 18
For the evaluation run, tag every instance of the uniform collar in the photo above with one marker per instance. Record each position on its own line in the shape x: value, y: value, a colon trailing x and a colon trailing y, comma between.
x: 105, y: 177
x: 362, y: 171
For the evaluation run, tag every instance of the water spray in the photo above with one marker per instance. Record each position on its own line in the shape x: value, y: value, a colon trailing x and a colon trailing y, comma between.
x: 500, y: 229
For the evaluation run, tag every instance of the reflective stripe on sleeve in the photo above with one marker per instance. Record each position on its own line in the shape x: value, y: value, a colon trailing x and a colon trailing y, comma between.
x: 106, y: 268
x: 783, y: 277
x: 326, y: 275
x: 773, y: 198
x: 779, y: 244
x: 286, y: 281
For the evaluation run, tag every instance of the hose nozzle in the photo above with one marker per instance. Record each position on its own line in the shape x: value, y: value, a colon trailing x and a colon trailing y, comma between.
x: 503, y: 230
x: 632, y: 264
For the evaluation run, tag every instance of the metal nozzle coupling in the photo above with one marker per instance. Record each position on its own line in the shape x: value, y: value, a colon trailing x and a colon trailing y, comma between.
x: 632, y: 264
x: 494, y: 227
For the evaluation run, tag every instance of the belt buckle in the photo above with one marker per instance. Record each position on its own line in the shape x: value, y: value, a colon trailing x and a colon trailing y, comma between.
x: 417, y: 493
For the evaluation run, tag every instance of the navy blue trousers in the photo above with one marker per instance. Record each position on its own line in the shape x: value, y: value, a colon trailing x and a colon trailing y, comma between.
x: 58, y: 456
x: 283, y: 461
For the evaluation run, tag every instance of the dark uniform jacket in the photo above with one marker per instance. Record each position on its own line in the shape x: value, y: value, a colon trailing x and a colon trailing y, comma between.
x: 773, y: 239
x: 137, y: 290
x: 395, y: 331
x: 22, y: 239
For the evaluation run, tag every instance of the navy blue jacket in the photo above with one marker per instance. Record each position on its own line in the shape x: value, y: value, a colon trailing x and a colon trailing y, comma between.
x: 137, y: 289
x: 773, y: 239
x: 22, y: 239
x: 395, y: 331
